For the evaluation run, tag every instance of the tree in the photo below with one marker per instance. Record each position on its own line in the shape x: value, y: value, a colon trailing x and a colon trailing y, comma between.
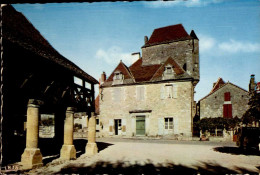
x: 253, y: 113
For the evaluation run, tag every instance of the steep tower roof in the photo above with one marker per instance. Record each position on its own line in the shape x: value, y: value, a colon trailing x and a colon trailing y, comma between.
x: 168, y: 34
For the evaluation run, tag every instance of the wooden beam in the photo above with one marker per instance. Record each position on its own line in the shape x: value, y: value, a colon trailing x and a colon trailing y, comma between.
x: 26, y: 80
x: 48, y: 87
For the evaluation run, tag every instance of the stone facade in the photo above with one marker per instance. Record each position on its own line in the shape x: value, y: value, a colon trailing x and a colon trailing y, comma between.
x: 155, y: 95
x: 153, y: 107
x: 211, y: 106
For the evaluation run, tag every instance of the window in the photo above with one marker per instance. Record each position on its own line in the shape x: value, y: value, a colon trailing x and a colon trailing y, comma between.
x: 97, y: 121
x: 184, y: 67
x: 169, y: 91
x: 168, y: 70
x: 118, y: 78
x: 140, y: 93
x: 168, y: 123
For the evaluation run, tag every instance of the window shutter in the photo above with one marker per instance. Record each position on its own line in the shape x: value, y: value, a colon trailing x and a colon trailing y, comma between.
x: 160, y: 126
x: 123, y: 126
x: 176, y: 126
x: 111, y: 125
x: 229, y: 109
x: 162, y: 92
x: 175, y: 91
x: 227, y: 96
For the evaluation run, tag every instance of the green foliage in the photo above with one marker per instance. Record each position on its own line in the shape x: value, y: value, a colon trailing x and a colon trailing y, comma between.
x: 253, y: 113
x: 220, y: 123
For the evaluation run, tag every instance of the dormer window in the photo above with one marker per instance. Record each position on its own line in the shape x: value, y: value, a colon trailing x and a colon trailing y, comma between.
x: 168, y: 72
x: 118, y: 78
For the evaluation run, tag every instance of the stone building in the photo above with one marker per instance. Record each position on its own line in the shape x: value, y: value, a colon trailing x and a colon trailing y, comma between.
x: 155, y: 95
x: 224, y: 100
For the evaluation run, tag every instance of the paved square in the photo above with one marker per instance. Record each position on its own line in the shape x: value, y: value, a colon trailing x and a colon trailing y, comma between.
x: 160, y: 156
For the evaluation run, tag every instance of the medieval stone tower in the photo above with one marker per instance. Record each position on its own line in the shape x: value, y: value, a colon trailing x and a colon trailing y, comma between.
x: 173, y: 41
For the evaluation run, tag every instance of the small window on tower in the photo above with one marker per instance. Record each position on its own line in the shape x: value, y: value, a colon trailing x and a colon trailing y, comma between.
x: 184, y: 67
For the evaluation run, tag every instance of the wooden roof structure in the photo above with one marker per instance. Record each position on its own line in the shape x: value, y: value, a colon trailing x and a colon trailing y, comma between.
x: 17, y: 29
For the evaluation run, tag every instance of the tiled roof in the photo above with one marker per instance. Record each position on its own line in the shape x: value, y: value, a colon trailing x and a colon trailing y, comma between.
x: 176, y: 68
x: 143, y: 73
x: 218, y: 84
x: 168, y: 34
x: 18, y: 30
x: 123, y: 69
x: 139, y: 73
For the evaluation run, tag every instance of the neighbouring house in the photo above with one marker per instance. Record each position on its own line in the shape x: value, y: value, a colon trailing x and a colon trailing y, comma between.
x: 224, y: 100
x: 155, y: 95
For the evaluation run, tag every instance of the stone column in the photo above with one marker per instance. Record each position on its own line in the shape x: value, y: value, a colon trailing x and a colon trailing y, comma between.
x: 68, y: 150
x: 32, y: 157
x: 91, y: 147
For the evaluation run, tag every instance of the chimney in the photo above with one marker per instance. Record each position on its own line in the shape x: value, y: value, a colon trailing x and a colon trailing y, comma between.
x: 103, y: 78
x: 252, y: 83
x: 137, y: 54
x: 145, y: 39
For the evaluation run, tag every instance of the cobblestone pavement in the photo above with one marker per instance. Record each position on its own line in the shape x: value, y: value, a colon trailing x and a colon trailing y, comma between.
x: 153, y: 156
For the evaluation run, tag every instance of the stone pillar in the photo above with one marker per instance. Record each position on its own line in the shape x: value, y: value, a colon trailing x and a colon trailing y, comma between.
x: 68, y: 150
x: 32, y: 157
x: 91, y: 147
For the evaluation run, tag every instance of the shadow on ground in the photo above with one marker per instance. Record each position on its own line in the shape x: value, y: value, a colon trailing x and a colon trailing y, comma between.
x: 150, y: 168
x: 51, y: 151
x: 237, y: 151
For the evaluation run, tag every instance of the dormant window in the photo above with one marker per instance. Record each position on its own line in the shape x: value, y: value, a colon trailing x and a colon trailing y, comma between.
x: 118, y: 78
x: 168, y: 123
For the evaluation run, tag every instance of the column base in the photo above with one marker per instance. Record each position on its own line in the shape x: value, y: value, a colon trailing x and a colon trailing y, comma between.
x: 68, y: 152
x: 91, y: 149
x: 31, y: 158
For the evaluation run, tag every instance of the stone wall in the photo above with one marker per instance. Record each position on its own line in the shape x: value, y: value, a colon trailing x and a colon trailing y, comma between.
x: 212, y: 106
x: 152, y: 107
x: 182, y: 52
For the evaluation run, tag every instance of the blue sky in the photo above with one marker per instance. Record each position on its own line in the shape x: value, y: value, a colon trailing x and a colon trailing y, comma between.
x: 96, y: 36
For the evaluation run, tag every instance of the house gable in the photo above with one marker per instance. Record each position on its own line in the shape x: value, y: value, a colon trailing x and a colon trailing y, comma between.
x: 177, y: 70
x: 122, y: 68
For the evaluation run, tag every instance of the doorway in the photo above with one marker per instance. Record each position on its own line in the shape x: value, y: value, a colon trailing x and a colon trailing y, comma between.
x: 140, y: 125
x: 118, y: 124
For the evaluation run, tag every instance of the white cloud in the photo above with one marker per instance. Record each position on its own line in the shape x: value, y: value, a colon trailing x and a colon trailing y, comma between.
x: 206, y: 42
x: 185, y: 3
x: 114, y: 54
x: 233, y: 46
